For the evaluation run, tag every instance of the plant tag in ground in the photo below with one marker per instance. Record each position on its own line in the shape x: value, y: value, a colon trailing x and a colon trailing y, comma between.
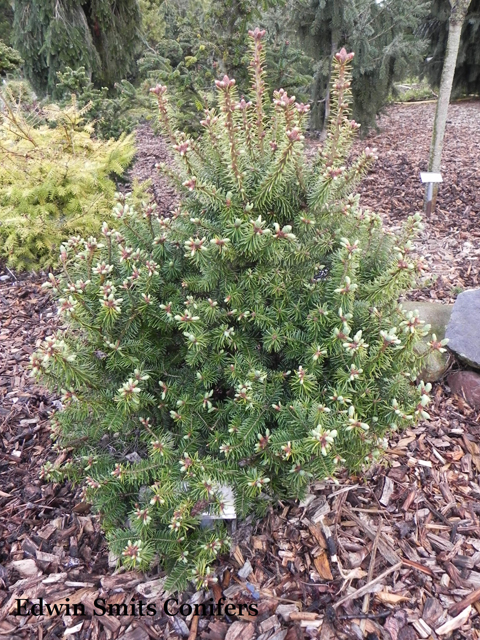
x: 430, y: 177
x: 228, y: 512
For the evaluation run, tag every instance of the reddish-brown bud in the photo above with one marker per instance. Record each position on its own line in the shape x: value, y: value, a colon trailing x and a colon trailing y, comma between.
x: 159, y: 89
x: 342, y: 56
x: 225, y: 83
x: 257, y: 34
x: 370, y: 153
x: 182, y: 148
x: 243, y: 104
x: 294, y: 135
x: 282, y: 99
x: 302, y: 108
x: 190, y: 184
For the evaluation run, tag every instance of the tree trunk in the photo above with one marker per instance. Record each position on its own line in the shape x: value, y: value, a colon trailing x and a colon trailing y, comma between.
x: 455, y: 23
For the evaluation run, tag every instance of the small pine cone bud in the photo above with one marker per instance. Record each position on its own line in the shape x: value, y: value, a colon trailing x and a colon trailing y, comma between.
x: 159, y: 89
x: 294, y: 135
x: 342, y: 56
x: 257, y: 34
x: 190, y: 184
x: 225, y: 83
x: 243, y: 104
x: 182, y: 148
x: 302, y: 108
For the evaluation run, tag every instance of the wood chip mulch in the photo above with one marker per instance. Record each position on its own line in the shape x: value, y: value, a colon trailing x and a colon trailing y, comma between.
x: 393, y: 554
x: 450, y: 244
x: 152, y: 150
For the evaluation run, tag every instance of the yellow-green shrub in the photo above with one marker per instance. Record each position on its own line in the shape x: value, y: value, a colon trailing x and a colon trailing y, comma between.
x: 55, y: 181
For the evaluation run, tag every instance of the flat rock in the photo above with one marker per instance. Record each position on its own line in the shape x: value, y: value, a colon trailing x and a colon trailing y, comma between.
x: 466, y: 384
x: 463, y: 330
x: 437, y: 316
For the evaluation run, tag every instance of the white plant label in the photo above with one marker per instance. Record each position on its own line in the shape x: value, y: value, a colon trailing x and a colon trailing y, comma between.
x: 228, y: 512
x: 430, y: 177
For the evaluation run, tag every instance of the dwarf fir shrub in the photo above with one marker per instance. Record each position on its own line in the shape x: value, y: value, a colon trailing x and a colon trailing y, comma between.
x: 55, y: 180
x: 253, y: 340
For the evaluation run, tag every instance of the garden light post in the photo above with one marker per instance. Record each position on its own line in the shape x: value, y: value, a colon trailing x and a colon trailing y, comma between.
x: 430, y: 179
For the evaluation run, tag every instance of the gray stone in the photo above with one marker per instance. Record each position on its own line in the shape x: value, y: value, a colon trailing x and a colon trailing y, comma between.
x: 437, y: 316
x: 466, y: 384
x: 463, y: 330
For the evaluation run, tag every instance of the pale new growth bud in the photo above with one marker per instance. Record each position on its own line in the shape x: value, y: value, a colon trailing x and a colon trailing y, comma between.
x: 159, y: 90
x: 302, y: 108
x: 226, y: 83
x: 294, y: 135
x: 342, y: 56
x: 257, y: 34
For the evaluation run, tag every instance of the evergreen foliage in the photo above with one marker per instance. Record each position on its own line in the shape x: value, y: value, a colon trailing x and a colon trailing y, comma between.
x: 6, y: 21
x: 55, y: 181
x: 467, y: 72
x: 384, y: 36
x: 197, y: 40
x: 10, y: 59
x: 101, y: 36
x: 113, y: 112
x: 251, y: 340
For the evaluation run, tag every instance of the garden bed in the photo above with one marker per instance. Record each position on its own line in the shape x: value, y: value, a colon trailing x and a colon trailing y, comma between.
x: 410, y: 526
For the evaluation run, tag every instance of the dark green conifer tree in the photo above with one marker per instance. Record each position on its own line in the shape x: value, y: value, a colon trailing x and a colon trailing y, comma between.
x: 467, y: 72
x: 9, y: 58
x: 99, y: 35
x: 383, y: 36
x: 6, y: 21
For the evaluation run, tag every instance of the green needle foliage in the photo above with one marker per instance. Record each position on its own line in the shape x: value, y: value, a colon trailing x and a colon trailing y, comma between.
x: 253, y: 340
x: 101, y: 36
x: 55, y: 180
x: 10, y: 59
x: 111, y: 112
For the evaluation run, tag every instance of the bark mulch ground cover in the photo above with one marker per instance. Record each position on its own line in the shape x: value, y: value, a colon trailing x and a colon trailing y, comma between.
x: 152, y: 150
x: 450, y: 244
x: 393, y: 554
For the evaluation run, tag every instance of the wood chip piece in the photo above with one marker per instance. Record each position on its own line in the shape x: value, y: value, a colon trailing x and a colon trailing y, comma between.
x: 390, y: 598
x: 26, y: 568
x: 322, y: 566
x: 387, y: 492
x: 284, y: 611
x: 432, y: 611
x: 422, y: 628
x: 71, y: 630
x: 454, y: 623
x: 240, y: 631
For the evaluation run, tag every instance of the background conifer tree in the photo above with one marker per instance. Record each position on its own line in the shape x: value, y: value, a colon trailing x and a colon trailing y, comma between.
x: 467, y: 71
x: 383, y: 35
x: 10, y: 59
x: 6, y: 21
x: 101, y: 36
x: 55, y: 180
